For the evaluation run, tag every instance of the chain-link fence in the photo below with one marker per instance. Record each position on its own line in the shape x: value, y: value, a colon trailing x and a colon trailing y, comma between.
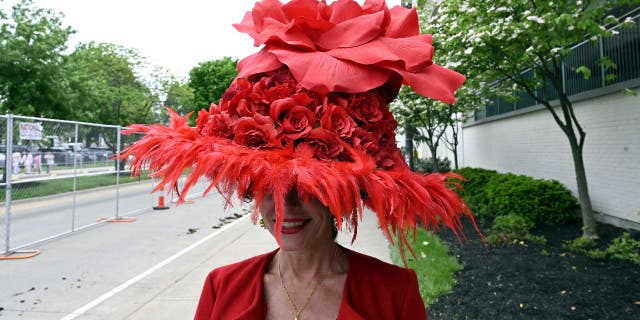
x: 57, y: 161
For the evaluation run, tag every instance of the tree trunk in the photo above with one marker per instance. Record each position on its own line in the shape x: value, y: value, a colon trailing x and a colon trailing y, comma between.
x: 454, y: 143
x: 455, y: 156
x: 434, y: 157
x: 589, y: 226
x: 408, y: 145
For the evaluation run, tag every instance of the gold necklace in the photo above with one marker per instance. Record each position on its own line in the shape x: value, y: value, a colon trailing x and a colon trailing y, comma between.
x: 297, y: 311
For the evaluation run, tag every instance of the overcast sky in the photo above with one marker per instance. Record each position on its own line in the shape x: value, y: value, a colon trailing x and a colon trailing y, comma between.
x: 173, y: 34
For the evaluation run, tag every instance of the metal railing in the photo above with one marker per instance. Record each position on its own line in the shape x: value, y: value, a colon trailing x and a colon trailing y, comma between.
x: 622, y: 49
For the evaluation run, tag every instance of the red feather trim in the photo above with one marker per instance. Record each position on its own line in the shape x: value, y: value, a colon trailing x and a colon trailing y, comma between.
x: 401, y: 199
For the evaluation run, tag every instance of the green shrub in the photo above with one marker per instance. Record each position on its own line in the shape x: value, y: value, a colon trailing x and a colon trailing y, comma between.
x: 425, y: 165
x: 474, y: 187
x: 581, y: 245
x: 625, y: 248
x: 476, y: 178
x: 513, y: 223
x: 501, y: 238
x: 512, y: 229
x: 538, y: 201
x: 491, y: 194
x: 597, y: 254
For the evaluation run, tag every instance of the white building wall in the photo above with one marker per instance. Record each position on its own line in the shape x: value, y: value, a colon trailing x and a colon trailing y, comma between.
x: 533, y: 144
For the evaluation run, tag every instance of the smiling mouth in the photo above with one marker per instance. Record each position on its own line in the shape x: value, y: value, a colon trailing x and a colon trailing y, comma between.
x: 293, y: 225
x: 289, y: 224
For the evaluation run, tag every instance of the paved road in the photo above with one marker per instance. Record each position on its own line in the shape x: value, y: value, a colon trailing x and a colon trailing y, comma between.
x: 32, y: 220
x: 77, y: 268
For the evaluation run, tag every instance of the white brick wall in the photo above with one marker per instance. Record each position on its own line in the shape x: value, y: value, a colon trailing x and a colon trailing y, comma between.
x: 533, y: 144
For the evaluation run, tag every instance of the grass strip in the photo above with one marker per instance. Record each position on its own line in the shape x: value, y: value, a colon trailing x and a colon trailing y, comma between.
x: 433, y: 265
x: 50, y: 187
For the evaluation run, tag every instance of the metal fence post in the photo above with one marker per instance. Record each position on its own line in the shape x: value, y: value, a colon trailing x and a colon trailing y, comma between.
x: 564, y: 77
x: 601, y: 52
x: 118, y: 141
x: 75, y: 180
x: 7, y: 190
x: 8, y: 253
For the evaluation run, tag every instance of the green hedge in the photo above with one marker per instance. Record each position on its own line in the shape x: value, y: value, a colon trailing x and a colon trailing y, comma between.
x: 474, y: 188
x: 491, y: 194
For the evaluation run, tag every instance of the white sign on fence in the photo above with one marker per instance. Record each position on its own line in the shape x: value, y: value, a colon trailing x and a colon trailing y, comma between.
x: 30, y: 130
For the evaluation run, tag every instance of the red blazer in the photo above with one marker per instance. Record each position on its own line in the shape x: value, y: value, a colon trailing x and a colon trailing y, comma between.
x: 373, y: 290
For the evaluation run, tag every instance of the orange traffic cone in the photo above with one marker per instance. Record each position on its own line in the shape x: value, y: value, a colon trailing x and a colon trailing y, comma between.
x: 161, y: 205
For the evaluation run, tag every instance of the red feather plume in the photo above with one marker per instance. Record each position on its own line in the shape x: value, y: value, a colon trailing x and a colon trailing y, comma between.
x: 401, y: 199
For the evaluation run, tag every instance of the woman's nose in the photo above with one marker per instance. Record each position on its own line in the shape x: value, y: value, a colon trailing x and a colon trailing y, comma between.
x: 292, y: 200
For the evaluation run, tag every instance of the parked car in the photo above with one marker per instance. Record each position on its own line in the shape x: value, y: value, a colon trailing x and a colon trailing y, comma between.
x: 96, y: 154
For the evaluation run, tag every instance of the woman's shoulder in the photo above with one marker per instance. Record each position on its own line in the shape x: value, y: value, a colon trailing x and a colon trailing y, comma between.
x: 376, y: 289
x: 248, y: 266
x: 363, y: 260
x: 373, y: 268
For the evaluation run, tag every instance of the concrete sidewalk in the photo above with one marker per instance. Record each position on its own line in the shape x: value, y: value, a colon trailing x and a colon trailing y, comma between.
x: 149, y: 269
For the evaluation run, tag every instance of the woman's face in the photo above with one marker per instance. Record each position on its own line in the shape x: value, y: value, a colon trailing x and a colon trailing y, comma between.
x: 305, y: 226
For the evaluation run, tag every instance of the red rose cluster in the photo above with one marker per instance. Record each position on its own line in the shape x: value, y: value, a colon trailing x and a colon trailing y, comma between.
x: 272, y: 110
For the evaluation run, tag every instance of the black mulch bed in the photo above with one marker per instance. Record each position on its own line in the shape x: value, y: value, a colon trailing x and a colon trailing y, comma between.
x: 520, y: 282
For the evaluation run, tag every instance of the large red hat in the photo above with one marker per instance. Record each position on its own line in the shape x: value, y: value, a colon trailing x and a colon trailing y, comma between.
x: 308, y: 113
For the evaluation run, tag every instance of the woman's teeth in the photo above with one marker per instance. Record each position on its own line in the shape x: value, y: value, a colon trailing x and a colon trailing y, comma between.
x: 292, y: 224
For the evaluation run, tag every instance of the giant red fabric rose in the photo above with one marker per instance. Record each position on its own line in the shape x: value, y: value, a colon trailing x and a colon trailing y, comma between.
x: 345, y: 47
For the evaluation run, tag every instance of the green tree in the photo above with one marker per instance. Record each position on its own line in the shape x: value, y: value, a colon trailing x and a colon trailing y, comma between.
x: 174, y: 93
x: 409, y: 118
x: 32, y: 45
x: 459, y: 113
x: 106, y: 87
x: 107, y: 90
x: 424, y: 120
x: 180, y: 97
x: 406, y: 114
x: 473, y: 93
x: 501, y: 39
x: 210, y: 79
x: 434, y: 123
x: 426, y: 117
